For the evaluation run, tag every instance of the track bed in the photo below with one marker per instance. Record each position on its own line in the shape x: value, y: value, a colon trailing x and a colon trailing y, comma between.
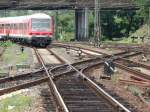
x: 79, y: 97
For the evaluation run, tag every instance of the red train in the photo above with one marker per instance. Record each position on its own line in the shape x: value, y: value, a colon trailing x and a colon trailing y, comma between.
x: 36, y: 29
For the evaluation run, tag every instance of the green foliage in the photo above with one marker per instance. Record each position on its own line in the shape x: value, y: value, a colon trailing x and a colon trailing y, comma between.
x: 134, y: 90
x: 143, y: 12
x: 17, y: 58
x: 120, y: 23
x: 91, y: 24
x: 123, y: 40
x: 18, y: 102
x: 67, y: 36
x: 6, y: 43
x: 64, y: 25
x: 66, y: 20
x: 114, y: 77
x: 22, y: 58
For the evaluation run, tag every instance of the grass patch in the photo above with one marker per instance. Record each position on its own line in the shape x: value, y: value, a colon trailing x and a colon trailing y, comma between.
x: 10, y: 56
x: 22, y: 57
x: 66, y: 36
x: 124, y: 41
x: 6, y: 44
x: 114, y: 78
x: 134, y: 90
x: 16, y: 103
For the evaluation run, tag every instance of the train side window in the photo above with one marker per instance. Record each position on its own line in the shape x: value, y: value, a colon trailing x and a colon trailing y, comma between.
x: 20, y: 26
x: 15, y: 26
x: 2, y: 26
x: 7, y: 26
x: 10, y: 26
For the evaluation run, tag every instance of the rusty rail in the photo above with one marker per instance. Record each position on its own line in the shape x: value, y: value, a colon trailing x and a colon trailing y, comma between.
x: 52, y: 85
x: 23, y: 86
x: 19, y: 76
x: 133, y: 71
x: 99, y: 90
x: 136, y: 63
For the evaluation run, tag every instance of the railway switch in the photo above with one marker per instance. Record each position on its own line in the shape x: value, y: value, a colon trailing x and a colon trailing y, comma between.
x: 109, y: 67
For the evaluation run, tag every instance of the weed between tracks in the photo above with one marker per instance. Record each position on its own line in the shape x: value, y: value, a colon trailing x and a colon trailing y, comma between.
x: 134, y: 90
x: 16, y: 103
x: 10, y: 56
x: 115, y: 78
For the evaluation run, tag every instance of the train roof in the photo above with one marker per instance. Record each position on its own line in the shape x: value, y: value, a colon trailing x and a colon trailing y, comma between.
x: 27, y: 17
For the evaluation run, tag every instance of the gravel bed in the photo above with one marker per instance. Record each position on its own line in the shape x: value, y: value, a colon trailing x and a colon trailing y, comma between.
x: 118, y: 88
x: 106, y: 50
x: 71, y: 57
x: 138, y: 58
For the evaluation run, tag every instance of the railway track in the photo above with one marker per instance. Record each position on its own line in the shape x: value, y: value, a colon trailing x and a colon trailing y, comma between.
x: 123, y: 46
x: 94, y: 61
x: 78, y: 65
x: 121, y: 55
x: 10, y: 84
x: 79, y: 97
x: 78, y: 84
x: 95, y: 53
x: 62, y: 74
x: 55, y: 69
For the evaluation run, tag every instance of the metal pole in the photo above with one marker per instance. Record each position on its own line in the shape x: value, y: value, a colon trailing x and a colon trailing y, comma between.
x: 86, y: 24
x: 97, y: 28
x: 95, y: 19
x: 56, y: 25
x: 100, y: 33
x: 149, y: 24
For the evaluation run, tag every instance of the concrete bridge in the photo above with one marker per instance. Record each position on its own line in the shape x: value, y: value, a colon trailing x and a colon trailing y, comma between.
x: 65, y: 4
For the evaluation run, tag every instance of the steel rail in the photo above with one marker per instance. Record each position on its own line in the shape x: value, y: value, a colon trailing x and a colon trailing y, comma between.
x: 100, y: 90
x: 60, y: 59
x: 137, y: 47
x: 23, y: 86
x: 52, y: 84
x: 57, y: 76
x: 104, y: 54
x: 20, y: 76
x: 132, y: 71
x: 73, y: 47
x: 139, y: 64
x: 116, y: 57
x: 136, y: 72
x: 8, y: 79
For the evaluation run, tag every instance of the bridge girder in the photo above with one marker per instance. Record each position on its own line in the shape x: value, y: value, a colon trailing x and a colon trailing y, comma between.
x: 65, y: 4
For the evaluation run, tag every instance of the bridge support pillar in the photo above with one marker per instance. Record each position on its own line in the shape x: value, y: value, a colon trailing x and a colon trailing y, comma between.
x: 81, y: 21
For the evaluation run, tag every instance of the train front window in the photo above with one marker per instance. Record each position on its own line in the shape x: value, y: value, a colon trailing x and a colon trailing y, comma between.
x: 40, y: 25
